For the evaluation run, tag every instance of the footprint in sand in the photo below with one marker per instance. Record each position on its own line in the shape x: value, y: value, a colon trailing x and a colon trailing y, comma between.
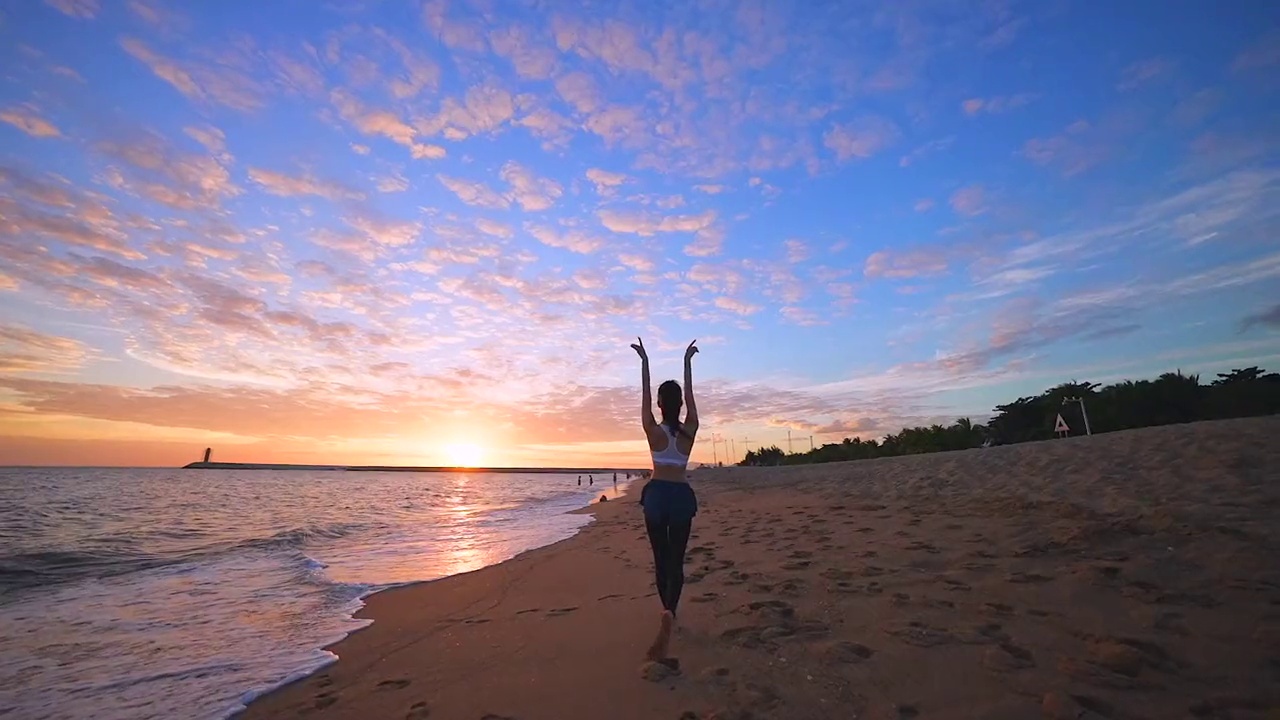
x: 796, y: 564
x: 777, y: 609
x: 608, y: 597
x: 324, y: 700
x: 957, y: 585
x: 800, y: 554
x: 995, y: 608
x: 556, y: 612
x: 397, y: 684
x: 418, y: 711
x: 705, y: 597
x: 1007, y: 657
x: 847, y: 653
x: 921, y: 635
x: 522, y: 612
x: 1028, y: 577
x: 475, y: 621
x: 900, y: 598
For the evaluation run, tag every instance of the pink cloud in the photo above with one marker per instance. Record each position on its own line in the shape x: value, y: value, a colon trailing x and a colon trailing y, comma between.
x: 25, y: 118
x: 969, y: 200
x: 23, y: 350
x: 277, y: 183
x: 735, y: 305
x: 861, y: 138
x: 640, y: 223
x: 1143, y: 72
x: 78, y: 9
x: 901, y: 265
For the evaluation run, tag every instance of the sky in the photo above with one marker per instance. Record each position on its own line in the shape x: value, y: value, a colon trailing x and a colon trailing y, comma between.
x: 362, y: 231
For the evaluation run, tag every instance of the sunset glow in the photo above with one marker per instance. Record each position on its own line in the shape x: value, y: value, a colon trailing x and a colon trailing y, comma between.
x: 345, y: 231
x: 466, y: 455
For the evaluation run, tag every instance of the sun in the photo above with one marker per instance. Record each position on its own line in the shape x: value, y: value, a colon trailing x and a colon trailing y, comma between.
x: 464, y: 455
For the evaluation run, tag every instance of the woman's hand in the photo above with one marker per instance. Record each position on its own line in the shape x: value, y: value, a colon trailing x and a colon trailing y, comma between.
x: 638, y: 346
x: 689, y: 351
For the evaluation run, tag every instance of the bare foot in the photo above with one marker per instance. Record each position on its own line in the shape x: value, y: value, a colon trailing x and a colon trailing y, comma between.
x: 658, y: 650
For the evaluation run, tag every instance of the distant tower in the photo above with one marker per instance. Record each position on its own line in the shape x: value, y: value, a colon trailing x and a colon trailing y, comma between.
x: 207, y: 453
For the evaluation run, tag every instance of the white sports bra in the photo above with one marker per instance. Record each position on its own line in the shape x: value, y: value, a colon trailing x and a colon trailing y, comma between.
x: 670, y: 455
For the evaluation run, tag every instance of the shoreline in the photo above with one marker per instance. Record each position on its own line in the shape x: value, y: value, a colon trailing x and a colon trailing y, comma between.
x: 1129, y: 574
x: 218, y: 465
x: 359, y: 613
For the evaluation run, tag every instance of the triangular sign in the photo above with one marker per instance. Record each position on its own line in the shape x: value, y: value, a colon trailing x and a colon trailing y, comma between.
x: 1061, y: 425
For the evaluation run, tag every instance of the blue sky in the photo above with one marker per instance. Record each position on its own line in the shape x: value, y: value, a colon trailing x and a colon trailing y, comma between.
x: 420, y: 232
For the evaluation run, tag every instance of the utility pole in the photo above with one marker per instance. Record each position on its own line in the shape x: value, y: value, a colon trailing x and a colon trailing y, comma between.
x: 810, y: 443
x: 788, y: 441
x: 733, y: 453
x: 715, y: 459
x: 1083, y: 412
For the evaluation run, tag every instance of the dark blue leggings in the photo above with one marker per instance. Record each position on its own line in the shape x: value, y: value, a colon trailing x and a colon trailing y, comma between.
x: 669, y: 540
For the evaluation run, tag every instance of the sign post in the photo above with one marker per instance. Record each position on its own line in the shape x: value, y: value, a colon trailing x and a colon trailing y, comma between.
x: 1061, y: 428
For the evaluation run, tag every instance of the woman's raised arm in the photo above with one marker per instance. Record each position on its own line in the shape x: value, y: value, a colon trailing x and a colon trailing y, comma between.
x: 690, y: 407
x: 646, y: 394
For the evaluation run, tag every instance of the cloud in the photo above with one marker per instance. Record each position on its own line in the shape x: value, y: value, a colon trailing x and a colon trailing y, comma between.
x: 636, y: 262
x: 709, y: 189
x: 494, y: 228
x: 797, y: 251
x: 78, y: 9
x: 803, y: 317
x: 25, y: 119
x: 734, y: 305
x: 900, y: 265
x: 641, y: 223
x: 861, y: 138
x: 923, y: 205
x: 579, y: 91
x: 531, y: 192
x: 453, y: 33
x: 1143, y: 72
x: 277, y: 183
x: 474, y: 193
x: 969, y: 200
x: 158, y: 16
x: 23, y: 350
x: 152, y: 168
x: 1263, y: 53
x: 483, y: 109
x: 605, y: 181
x: 385, y: 124
x: 995, y: 104
x: 1074, y: 150
x: 530, y: 61
x: 220, y: 83
x: 1269, y: 318
x: 928, y: 148
x: 572, y: 239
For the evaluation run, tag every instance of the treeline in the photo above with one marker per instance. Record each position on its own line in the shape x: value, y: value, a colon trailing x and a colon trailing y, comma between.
x: 1170, y: 398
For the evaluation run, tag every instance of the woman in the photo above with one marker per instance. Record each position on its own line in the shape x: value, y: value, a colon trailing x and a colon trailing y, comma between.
x: 668, y: 501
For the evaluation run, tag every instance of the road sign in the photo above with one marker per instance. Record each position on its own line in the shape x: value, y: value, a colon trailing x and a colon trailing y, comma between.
x: 1061, y: 425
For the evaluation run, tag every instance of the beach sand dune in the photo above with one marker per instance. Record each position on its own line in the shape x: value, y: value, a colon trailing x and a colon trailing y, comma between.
x: 1128, y: 575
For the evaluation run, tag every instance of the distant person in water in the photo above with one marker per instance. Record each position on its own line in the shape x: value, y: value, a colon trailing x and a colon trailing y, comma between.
x: 579, y: 481
x: 591, y: 480
x: 668, y: 500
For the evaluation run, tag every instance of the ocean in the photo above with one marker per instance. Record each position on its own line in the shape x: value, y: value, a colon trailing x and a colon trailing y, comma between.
x: 158, y: 593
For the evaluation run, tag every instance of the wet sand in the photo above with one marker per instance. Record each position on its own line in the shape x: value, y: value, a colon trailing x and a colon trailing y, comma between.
x: 1129, y: 575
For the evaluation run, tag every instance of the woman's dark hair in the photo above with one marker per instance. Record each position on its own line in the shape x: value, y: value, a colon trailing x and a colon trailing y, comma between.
x: 669, y: 402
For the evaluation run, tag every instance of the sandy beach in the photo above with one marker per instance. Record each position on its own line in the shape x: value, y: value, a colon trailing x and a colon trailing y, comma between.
x: 1128, y: 575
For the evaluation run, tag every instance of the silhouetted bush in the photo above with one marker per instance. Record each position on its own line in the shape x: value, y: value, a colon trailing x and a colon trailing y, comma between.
x: 1170, y: 398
